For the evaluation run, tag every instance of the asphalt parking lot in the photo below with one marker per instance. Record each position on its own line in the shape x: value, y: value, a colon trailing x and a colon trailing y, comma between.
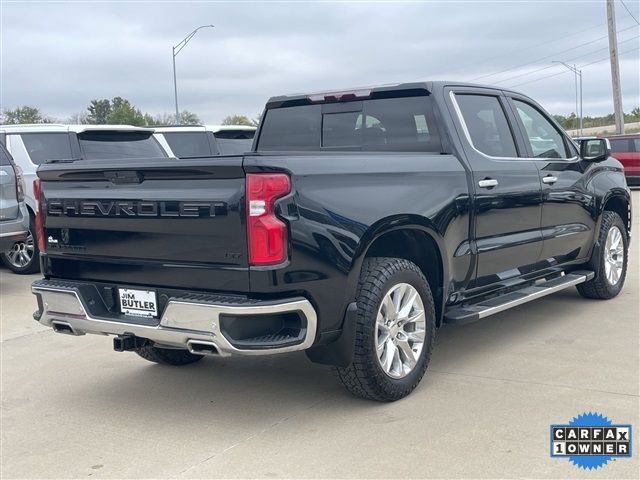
x: 72, y: 407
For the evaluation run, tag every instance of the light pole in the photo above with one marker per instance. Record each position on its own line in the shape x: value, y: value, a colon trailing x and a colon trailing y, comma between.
x: 176, y: 50
x: 576, y: 74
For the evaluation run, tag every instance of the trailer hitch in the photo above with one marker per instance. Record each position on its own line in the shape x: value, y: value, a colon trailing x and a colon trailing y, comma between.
x: 128, y: 342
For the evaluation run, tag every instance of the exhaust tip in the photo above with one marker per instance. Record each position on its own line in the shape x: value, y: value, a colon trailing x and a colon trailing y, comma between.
x: 63, y: 327
x: 202, y: 348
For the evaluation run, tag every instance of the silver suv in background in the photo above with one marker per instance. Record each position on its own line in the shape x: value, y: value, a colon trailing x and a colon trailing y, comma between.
x: 33, y: 145
x: 191, y: 141
x: 14, y: 218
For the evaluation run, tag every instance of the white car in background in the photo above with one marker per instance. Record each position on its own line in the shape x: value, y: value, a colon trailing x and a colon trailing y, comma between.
x: 32, y: 145
x: 189, y: 141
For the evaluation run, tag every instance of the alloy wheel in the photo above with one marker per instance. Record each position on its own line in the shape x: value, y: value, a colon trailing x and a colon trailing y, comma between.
x: 613, y: 255
x: 400, y: 330
x: 21, y: 254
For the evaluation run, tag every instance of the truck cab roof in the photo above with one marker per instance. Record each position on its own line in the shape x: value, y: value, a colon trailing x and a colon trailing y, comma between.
x: 379, y: 91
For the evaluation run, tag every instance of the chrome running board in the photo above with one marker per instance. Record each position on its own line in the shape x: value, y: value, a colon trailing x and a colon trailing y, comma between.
x: 474, y: 312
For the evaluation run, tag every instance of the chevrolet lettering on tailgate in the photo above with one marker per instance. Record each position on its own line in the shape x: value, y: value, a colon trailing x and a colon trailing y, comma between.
x: 134, y: 208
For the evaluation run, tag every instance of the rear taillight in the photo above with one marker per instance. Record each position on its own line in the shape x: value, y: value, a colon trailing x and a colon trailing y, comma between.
x: 39, y: 214
x: 266, y: 233
x: 19, y: 183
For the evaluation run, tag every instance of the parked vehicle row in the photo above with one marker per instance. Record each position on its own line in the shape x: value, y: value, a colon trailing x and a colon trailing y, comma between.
x: 33, y: 145
x: 360, y: 222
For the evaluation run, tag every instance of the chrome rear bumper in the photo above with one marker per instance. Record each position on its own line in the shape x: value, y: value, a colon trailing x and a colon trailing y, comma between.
x: 185, y: 322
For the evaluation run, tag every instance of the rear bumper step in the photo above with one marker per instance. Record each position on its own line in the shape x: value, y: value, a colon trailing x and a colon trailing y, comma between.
x: 194, y: 322
x: 473, y: 312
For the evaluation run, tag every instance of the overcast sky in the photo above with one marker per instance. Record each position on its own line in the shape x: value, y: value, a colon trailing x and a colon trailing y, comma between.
x: 60, y: 55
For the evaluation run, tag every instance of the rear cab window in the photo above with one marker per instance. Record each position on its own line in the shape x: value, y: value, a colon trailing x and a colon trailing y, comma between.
x: 189, y: 144
x: 42, y: 147
x: 396, y: 123
x: 113, y: 145
x: 234, y: 142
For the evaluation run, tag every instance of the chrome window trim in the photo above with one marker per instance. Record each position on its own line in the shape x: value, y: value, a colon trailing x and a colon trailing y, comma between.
x: 467, y: 135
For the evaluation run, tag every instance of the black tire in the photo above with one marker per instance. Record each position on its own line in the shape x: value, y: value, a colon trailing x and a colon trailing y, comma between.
x: 168, y: 356
x: 600, y: 287
x: 365, y: 377
x: 33, y: 266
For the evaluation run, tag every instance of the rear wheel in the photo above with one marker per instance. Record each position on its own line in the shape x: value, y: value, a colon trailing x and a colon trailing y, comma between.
x: 23, y: 257
x: 611, y: 261
x: 395, y: 330
x: 167, y: 356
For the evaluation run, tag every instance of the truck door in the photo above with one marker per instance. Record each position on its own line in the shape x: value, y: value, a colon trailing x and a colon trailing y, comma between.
x: 506, y: 187
x: 567, y: 225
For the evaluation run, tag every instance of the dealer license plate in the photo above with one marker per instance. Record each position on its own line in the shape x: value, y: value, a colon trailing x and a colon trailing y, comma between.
x: 138, y: 302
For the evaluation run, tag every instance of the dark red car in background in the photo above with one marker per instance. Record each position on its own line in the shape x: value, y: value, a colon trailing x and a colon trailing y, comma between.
x: 626, y: 149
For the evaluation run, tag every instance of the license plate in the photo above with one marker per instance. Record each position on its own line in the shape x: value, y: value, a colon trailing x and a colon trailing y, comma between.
x: 141, y: 303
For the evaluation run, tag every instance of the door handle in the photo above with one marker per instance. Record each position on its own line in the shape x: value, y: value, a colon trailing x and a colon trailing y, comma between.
x: 488, y: 183
x: 549, y: 179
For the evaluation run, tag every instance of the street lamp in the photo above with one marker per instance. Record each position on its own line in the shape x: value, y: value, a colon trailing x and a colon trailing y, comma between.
x: 176, y: 50
x: 576, y: 73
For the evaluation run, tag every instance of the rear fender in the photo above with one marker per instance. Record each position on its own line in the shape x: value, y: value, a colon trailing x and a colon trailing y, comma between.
x: 391, y: 224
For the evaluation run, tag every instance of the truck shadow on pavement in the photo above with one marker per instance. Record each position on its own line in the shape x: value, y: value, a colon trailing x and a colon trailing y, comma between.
x: 244, y: 388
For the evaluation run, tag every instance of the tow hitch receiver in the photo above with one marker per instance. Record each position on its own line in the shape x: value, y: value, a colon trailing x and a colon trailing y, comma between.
x: 128, y: 342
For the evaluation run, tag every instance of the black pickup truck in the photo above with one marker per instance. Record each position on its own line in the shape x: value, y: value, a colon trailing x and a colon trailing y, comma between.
x: 361, y: 221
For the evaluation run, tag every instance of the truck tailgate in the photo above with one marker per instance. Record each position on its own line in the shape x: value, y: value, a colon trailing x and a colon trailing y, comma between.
x: 156, y: 222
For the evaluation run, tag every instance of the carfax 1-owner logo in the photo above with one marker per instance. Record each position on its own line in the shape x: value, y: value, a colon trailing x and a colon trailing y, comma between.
x: 590, y: 440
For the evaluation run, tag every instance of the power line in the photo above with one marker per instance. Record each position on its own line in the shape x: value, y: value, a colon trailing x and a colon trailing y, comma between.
x: 607, y: 58
x: 568, y: 60
x: 629, y: 11
x: 517, y: 50
x: 549, y: 56
x: 567, y: 71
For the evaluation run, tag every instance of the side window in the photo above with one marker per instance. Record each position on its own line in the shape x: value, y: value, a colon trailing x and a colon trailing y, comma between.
x: 619, y: 145
x: 636, y: 144
x: 4, y: 157
x: 47, y: 146
x: 487, y: 125
x: 545, y: 139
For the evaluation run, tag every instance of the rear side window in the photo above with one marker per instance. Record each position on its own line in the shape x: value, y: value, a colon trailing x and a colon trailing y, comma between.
x: 487, y: 125
x: 189, y: 144
x: 620, y: 145
x: 103, y: 145
x: 4, y: 157
x: 234, y: 142
x: 389, y: 124
x: 47, y: 146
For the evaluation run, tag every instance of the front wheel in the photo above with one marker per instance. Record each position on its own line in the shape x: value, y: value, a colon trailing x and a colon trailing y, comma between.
x: 395, y: 330
x: 612, y: 259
